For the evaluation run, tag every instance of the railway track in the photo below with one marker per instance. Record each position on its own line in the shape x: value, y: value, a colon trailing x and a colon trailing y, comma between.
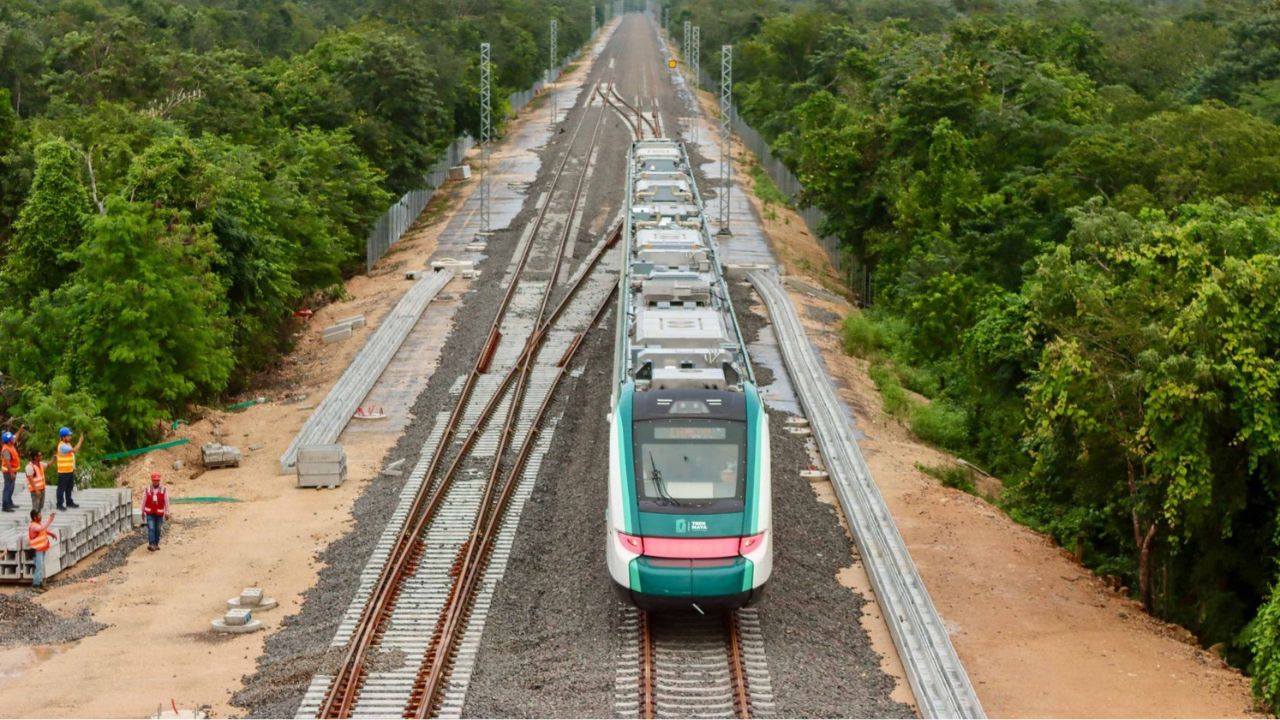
x: 627, y: 111
x: 685, y: 665
x: 414, y: 628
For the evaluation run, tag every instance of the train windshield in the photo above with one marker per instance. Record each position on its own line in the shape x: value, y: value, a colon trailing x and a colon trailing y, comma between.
x: 688, y: 464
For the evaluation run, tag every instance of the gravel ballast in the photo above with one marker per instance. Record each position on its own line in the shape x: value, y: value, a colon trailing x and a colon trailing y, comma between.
x: 549, y: 640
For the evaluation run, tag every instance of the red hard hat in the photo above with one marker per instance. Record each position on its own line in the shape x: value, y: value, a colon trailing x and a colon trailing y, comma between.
x: 155, y: 476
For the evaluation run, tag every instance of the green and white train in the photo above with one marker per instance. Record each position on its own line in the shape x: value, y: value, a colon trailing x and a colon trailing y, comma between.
x: 689, y: 516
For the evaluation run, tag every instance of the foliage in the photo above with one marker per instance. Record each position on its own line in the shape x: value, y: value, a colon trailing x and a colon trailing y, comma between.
x: 177, y: 176
x: 952, y: 476
x: 1068, y: 212
x: 861, y: 335
x: 1265, y: 643
x: 938, y: 423
x: 50, y: 226
x: 47, y: 407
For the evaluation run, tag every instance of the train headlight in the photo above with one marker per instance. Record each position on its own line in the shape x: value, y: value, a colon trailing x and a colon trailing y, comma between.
x: 749, y: 543
x: 634, y: 543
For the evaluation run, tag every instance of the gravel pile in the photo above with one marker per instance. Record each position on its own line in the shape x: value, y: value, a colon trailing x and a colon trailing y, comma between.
x: 301, y: 647
x: 24, y: 622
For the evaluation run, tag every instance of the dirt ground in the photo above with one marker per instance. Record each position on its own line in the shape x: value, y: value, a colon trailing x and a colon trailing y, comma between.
x: 158, y: 606
x: 1039, y: 634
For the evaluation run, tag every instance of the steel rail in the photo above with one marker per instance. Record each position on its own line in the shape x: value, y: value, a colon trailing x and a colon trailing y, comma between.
x: 652, y: 127
x: 435, y: 669
x: 738, y: 673
x: 635, y: 130
x: 647, y: 704
x: 343, y: 690
x: 937, y: 677
x: 473, y: 553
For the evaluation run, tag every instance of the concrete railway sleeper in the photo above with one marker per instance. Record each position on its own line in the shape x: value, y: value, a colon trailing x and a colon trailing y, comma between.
x: 688, y: 665
x: 403, y: 560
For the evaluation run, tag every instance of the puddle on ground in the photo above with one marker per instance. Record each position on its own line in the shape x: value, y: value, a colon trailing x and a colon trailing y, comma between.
x: 17, y: 661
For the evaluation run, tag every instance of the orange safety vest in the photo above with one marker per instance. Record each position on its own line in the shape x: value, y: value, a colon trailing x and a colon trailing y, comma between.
x: 36, y: 482
x: 66, y: 460
x: 14, y: 462
x: 38, y: 536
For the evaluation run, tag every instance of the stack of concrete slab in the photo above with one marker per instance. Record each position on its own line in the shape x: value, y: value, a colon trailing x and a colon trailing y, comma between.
x: 217, y: 455
x: 321, y: 466
x: 104, y: 514
x: 333, y: 413
x: 342, y: 329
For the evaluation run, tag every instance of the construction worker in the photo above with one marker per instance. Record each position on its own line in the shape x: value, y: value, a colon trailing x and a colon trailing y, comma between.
x: 10, y: 463
x: 38, y: 534
x: 155, y: 508
x: 35, y: 480
x: 67, y: 467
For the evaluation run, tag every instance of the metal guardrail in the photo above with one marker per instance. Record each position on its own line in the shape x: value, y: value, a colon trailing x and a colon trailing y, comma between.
x: 334, y: 412
x: 941, y: 686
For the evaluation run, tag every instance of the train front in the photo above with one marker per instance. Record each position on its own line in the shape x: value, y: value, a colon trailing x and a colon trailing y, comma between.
x: 689, y: 502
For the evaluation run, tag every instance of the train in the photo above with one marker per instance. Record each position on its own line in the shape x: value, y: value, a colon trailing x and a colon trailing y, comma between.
x: 689, y: 519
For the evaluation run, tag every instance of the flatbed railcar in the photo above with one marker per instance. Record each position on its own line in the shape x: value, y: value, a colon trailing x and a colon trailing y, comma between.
x: 690, y: 497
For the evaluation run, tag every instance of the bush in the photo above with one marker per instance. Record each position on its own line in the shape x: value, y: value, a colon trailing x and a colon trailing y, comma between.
x: 922, y: 381
x: 939, y: 423
x: 952, y: 476
x: 1265, y: 641
x: 896, y: 401
x: 862, y: 335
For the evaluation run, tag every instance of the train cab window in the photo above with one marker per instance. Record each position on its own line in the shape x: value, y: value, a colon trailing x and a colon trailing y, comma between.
x: 690, y: 465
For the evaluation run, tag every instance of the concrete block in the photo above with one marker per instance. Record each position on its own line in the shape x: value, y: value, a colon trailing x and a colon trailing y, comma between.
x: 452, y: 264
x: 238, y: 616
x: 321, y: 468
x: 335, y: 334
x: 460, y: 172
x: 740, y: 271
x: 328, y: 480
x: 216, y: 455
x: 413, y: 274
x: 253, y: 599
x: 332, y: 452
x: 221, y: 625
x: 353, y: 322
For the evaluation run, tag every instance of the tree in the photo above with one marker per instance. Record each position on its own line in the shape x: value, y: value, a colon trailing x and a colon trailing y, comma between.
x: 45, y: 408
x: 1157, y: 389
x: 143, y: 318
x: 50, y: 225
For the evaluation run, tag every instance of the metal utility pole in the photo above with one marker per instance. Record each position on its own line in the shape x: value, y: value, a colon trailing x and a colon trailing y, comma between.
x: 666, y: 21
x: 726, y: 135
x: 485, y: 134
x: 551, y: 68
x: 684, y: 42
x: 696, y: 59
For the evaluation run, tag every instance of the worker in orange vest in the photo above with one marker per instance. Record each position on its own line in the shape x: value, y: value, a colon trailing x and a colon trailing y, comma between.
x: 35, y: 480
x: 38, y: 534
x: 10, y: 463
x: 67, y: 467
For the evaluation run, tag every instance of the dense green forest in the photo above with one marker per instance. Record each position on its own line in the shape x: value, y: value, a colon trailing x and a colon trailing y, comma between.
x: 1066, y: 215
x: 177, y: 176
